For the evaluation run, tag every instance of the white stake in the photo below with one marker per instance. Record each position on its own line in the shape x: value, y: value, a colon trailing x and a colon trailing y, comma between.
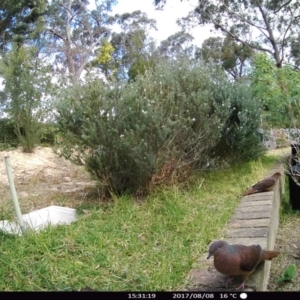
x: 14, y: 194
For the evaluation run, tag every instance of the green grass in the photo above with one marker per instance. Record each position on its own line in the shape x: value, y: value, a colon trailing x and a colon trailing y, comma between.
x: 127, y: 245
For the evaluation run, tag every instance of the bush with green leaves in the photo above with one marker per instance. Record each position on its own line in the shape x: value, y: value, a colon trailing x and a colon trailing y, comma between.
x: 26, y: 83
x: 240, y: 115
x: 182, y: 93
x: 277, y: 90
x: 8, y: 137
x: 112, y: 135
x: 126, y: 133
x: 48, y: 133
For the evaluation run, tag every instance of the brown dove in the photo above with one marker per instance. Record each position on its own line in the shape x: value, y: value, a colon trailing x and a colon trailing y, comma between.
x: 267, y: 184
x: 238, y: 260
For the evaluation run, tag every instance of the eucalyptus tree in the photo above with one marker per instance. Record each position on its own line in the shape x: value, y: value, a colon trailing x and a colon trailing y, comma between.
x: 233, y: 57
x: 295, y: 52
x: 133, y: 47
x: 178, y: 44
x: 263, y: 25
x: 74, y: 31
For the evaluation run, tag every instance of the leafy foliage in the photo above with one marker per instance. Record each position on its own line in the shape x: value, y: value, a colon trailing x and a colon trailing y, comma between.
x: 278, y: 91
x: 233, y: 57
x: 139, y: 67
x: 176, y: 45
x: 240, y: 140
x: 176, y: 114
x: 104, y: 60
x: 20, y: 20
x: 275, y: 23
x: 105, y: 52
x: 25, y: 83
x: 133, y: 47
x: 295, y: 51
x: 8, y: 138
x: 48, y: 133
x: 114, y: 136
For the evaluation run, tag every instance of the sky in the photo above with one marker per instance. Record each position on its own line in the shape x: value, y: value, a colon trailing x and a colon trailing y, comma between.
x: 166, y: 19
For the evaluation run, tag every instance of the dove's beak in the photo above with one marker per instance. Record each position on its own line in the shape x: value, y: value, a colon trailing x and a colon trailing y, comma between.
x: 209, y: 256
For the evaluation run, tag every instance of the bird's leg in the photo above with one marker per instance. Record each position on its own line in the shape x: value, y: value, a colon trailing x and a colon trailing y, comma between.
x: 241, y: 286
x: 228, y: 280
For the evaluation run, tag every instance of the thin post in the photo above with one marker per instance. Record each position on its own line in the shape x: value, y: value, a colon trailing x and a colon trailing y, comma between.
x: 14, y: 194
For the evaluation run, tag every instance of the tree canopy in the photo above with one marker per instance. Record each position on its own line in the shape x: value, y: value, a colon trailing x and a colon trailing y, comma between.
x: 268, y: 26
x: 133, y: 46
x: 18, y: 18
x: 232, y: 56
x: 179, y: 43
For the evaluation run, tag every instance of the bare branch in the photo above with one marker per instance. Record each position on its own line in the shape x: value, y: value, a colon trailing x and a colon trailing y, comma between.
x: 272, y: 39
x: 251, y: 46
x: 68, y: 28
x: 285, y: 33
x: 260, y: 28
x: 287, y: 3
x: 55, y: 33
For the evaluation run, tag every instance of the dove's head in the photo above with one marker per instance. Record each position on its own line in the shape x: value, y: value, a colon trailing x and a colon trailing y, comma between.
x: 277, y: 174
x: 215, y: 246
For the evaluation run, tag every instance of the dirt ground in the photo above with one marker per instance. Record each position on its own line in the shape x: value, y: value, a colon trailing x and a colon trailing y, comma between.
x: 288, y: 242
x: 43, y: 178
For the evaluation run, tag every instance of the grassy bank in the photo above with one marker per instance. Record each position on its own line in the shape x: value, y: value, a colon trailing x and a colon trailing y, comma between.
x: 129, y: 245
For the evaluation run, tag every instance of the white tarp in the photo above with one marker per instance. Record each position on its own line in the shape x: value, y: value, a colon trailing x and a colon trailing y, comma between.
x: 39, y: 219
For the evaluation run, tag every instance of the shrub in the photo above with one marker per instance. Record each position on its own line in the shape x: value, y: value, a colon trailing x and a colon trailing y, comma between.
x: 48, y: 133
x: 28, y: 131
x: 116, y: 135
x: 8, y: 137
x: 183, y: 92
x: 277, y: 90
x: 175, y: 115
x: 240, y: 115
x: 26, y: 82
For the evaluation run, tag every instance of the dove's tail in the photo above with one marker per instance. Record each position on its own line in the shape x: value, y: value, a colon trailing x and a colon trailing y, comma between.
x: 269, y: 255
x: 249, y: 192
x: 280, y: 279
